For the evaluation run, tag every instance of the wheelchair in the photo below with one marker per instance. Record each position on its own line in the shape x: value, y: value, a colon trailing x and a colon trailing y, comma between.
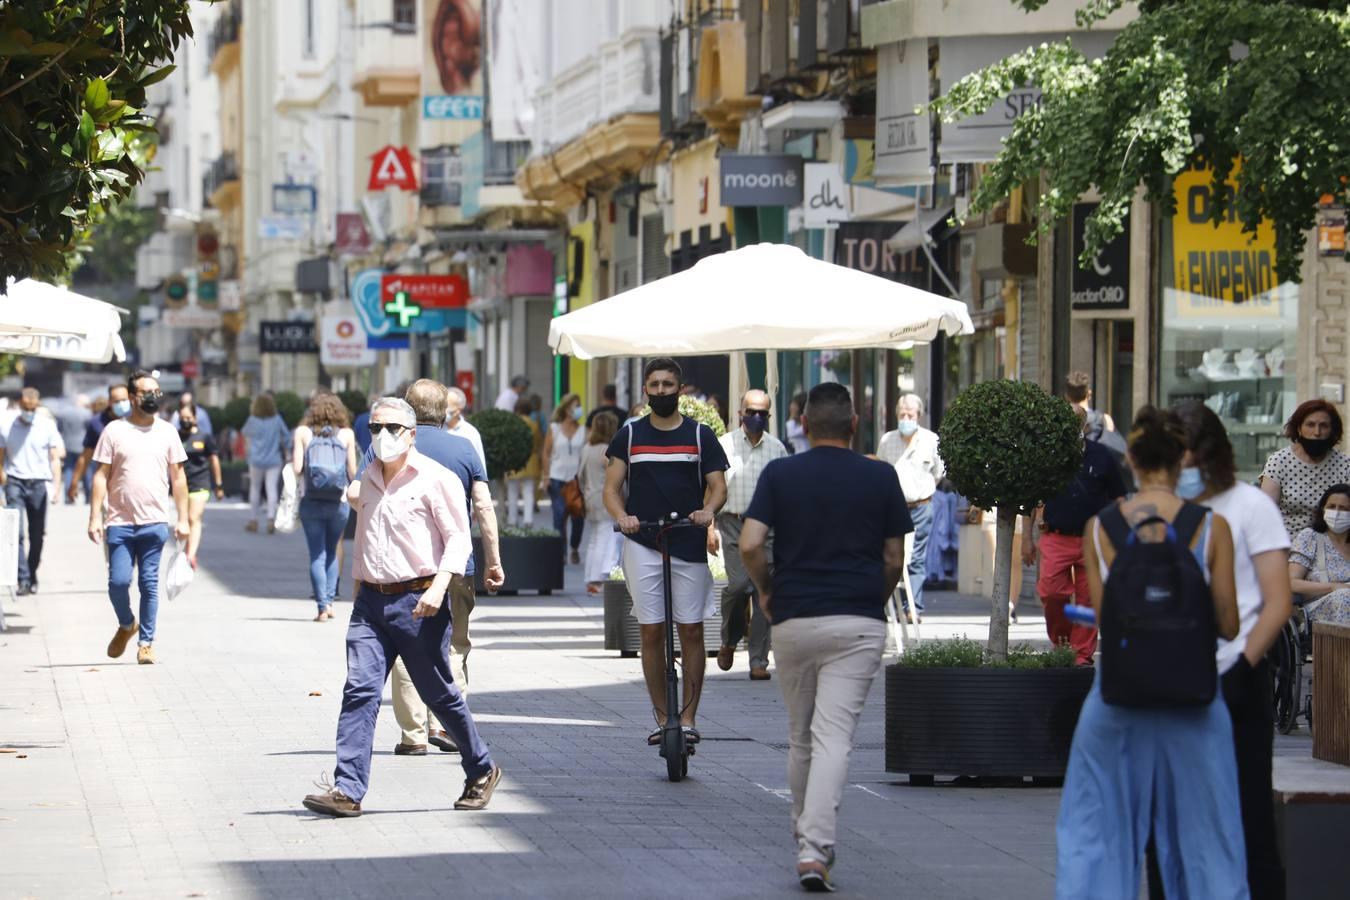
x: 1290, y: 659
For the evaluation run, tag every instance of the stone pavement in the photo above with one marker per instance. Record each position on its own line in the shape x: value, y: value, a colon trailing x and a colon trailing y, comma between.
x: 184, y: 779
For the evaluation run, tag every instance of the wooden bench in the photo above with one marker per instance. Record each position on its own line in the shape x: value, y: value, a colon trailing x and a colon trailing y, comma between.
x: 1331, y: 693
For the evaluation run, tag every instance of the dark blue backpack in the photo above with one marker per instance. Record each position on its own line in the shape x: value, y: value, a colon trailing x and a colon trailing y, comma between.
x: 326, y: 467
x: 1158, y: 635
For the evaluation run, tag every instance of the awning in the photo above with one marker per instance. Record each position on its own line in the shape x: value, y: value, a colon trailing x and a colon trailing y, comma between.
x: 39, y: 319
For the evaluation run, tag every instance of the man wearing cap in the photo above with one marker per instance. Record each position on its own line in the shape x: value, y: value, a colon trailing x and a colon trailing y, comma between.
x: 412, y: 537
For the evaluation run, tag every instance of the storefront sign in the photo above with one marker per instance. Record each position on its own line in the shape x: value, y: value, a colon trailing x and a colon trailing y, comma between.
x: 352, y: 237
x: 191, y: 317
x: 1331, y: 235
x: 862, y: 246
x: 444, y: 106
x: 427, y: 291
x: 826, y: 199
x: 281, y: 228
x: 1219, y: 262
x: 904, y: 148
x: 452, y: 59
x: 369, y: 299
x: 749, y: 180
x: 1105, y: 283
x: 286, y: 337
x: 392, y: 167
x: 342, y: 343
x: 529, y: 270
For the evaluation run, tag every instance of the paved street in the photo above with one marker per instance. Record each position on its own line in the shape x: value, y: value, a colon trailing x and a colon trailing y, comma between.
x: 185, y: 778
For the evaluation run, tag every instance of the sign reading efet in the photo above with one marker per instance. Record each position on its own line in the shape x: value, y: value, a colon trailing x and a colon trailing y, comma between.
x: 1105, y: 283
x: 430, y: 291
x: 749, y: 180
x: 342, y: 343
x: 286, y: 337
x: 1220, y: 262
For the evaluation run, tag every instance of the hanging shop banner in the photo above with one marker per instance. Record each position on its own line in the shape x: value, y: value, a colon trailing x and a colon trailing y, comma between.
x: 382, y: 328
x: 517, y: 46
x: 452, y: 72
x: 353, y: 239
x: 392, y: 167
x: 826, y: 199
x: 862, y: 246
x: 342, y: 343
x: 427, y: 291
x: 755, y: 180
x: 980, y: 138
x: 904, y: 147
x: 287, y: 337
x: 1218, y: 264
x: 1105, y: 284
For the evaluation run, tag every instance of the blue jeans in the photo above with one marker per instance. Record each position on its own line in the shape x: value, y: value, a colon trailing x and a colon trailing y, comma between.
x: 383, y: 629
x: 29, y: 496
x: 323, y: 522
x: 917, y: 564
x: 560, y: 514
x: 138, y: 545
x: 68, y: 473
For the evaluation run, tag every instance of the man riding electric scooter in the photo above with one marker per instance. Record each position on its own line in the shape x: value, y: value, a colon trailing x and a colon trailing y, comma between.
x: 670, y: 466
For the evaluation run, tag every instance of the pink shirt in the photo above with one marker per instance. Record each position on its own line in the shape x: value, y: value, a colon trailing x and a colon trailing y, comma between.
x: 138, y: 460
x: 414, y: 527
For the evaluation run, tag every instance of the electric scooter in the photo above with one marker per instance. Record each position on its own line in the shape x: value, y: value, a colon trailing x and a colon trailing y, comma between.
x: 674, y: 747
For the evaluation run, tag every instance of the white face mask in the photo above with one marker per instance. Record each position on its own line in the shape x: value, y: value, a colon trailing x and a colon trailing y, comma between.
x: 389, y: 447
x: 1338, y: 520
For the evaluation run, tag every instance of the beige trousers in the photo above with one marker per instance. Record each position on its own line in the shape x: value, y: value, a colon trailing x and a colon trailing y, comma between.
x: 826, y: 666
x: 414, y: 718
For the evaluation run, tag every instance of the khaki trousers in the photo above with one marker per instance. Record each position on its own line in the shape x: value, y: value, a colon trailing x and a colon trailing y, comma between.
x: 826, y: 666
x: 414, y: 718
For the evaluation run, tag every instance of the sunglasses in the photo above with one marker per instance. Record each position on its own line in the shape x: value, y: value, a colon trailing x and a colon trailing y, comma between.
x: 756, y: 412
x: 394, y: 428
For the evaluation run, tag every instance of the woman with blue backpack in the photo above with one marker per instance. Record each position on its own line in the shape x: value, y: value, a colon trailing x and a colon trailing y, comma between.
x: 324, y: 460
x: 1153, y: 750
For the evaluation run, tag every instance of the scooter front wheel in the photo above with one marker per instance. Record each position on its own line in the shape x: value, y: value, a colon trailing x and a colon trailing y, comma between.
x: 673, y: 749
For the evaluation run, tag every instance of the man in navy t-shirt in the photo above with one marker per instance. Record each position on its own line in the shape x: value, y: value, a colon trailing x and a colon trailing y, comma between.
x: 672, y: 466
x: 429, y: 400
x: 839, y: 522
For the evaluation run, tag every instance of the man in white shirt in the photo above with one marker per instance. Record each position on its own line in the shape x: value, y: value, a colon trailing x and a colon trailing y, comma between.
x: 749, y: 449
x: 510, y: 395
x: 31, y: 452
x: 913, y: 450
x: 456, y: 424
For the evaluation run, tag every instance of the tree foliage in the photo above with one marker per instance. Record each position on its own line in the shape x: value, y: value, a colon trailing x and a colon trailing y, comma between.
x: 1254, y: 90
x: 507, y: 441
x: 73, y: 79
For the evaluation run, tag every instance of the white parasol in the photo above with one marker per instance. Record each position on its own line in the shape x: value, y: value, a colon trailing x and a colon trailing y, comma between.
x: 40, y: 319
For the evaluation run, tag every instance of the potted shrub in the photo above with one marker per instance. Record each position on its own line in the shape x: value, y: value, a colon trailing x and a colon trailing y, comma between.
x: 951, y: 709
x: 700, y: 411
x: 290, y: 407
x: 507, y: 441
x: 621, y: 626
x: 355, y: 401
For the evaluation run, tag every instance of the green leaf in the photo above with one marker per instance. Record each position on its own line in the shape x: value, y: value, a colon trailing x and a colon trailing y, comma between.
x: 156, y: 76
x: 96, y: 95
x: 86, y: 128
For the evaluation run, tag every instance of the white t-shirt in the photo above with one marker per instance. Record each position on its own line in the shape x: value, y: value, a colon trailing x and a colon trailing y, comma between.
x: 468, y: 432
x: 1257, y: 528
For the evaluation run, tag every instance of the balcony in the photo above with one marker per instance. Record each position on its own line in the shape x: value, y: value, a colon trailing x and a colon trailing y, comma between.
x: 222, y: 45
x: 719, y: 92
x: 387, y: 72
x: 220, y: 184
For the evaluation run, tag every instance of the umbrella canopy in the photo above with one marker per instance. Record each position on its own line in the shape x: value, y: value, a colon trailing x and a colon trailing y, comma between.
x: 761, y: 297
x: 42, y: 319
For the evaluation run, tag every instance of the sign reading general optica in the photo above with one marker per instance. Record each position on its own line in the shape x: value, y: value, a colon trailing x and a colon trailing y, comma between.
x: 1105, y: 284
x: 750, y: 180
x: 1221, y: 262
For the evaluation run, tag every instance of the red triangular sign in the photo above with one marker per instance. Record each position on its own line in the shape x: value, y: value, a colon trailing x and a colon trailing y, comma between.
x: 392, y: 167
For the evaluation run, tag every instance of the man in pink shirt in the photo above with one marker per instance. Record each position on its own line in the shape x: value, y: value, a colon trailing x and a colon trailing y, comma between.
x: 137, y: 457
x: 412, y: 536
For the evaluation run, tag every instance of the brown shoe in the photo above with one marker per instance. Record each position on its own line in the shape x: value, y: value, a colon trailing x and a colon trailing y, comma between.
x: 118, y: 645
x: 478, y: 792
x: 251, y: 526
x: 145, y: 656
x: 760, y: 675
x: 442, y: 741
x: 724, y: 657
x: 334, y: 803
x: 402, y: 749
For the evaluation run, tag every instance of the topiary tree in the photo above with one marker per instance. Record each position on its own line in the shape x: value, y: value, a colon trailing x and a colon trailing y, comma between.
x: 700, y: 411
x: 507, y: 441
x: 1010, y: 446
x: 355, y: 401
x: 290, y: 407
x: 236, y: 412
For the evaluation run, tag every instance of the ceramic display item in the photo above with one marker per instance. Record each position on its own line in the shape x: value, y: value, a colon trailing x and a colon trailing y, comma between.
x: 1249, y: 363
x: 1214, y: 364
x: 1275, y: 361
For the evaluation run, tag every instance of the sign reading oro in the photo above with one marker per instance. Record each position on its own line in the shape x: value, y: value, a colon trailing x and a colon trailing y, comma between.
x: 1219, y: 262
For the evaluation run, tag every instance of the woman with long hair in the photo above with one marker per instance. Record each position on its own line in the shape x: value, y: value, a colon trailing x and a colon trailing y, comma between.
x: 600, y: 555
x: 266, y: 437
x: 561, y: 459
x: 203, y: 475
x: 1166, y: 771
x: 1297, y: 475
x: 322, y: 443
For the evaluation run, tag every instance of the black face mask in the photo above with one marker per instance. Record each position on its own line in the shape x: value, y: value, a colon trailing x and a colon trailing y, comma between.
x: 663, y: 405
x: 1316, y: 447
x: 185, y: 429
x: 150, y: 402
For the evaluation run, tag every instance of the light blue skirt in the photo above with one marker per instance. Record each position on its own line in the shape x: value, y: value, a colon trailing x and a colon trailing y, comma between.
x: 1171, y: 772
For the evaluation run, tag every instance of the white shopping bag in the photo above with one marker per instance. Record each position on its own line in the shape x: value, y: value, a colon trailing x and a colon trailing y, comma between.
x: 175, y: 572
x: 288, y: 510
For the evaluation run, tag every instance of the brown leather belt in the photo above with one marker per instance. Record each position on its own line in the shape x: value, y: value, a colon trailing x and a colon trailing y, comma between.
x: 918, y: 503
x: 401, y: 587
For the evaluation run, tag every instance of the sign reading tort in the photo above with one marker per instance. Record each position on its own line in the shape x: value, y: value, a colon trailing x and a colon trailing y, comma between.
x: 1219, y: 262
x: 1105, y: 283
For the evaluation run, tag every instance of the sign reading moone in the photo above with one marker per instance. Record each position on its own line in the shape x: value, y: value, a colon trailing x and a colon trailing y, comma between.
x: 749, y: 180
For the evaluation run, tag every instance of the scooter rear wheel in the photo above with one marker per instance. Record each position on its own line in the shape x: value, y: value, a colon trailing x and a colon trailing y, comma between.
x: 673, y: 749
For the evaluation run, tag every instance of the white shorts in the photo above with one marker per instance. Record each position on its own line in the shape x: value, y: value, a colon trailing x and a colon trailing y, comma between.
x: 691, y: 587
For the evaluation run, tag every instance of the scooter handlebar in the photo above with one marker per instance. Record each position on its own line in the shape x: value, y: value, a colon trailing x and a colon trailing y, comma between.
x: 680, y: 522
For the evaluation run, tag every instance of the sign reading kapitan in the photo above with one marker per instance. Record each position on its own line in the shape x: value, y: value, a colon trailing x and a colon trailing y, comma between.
x: 1219, y: 262
x: 752, y: 180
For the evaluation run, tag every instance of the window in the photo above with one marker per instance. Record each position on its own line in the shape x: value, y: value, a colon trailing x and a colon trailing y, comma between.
x: 405, y: 13
x: 442, y: 176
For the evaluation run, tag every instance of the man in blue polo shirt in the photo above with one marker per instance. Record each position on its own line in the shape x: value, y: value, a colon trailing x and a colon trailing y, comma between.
x: 119, y: 407
x: 839, y: 522
x: 429, y: 400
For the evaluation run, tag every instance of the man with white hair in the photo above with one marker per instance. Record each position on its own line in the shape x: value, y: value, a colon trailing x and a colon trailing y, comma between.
x: 455, y: 423
x: 913, y: 450
x: 400, y: 611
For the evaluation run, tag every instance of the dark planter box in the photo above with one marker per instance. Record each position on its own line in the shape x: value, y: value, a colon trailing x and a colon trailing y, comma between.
x: 622, y: 632
x: 234, y: 481
x: 531, y: 564
x: 982, y: 722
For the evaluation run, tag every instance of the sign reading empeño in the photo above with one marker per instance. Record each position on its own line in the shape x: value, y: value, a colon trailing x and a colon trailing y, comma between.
x: 1221, y: 262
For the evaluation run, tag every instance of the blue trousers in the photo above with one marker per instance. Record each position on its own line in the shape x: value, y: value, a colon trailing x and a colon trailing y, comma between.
x: 383, y: 629
x: 29, y: 496
x: 323, y: 522
x: 917, y: 564
x: 138, y: 545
